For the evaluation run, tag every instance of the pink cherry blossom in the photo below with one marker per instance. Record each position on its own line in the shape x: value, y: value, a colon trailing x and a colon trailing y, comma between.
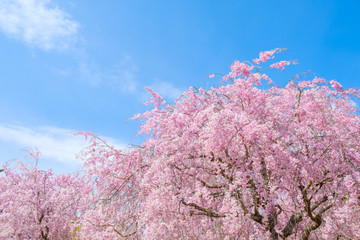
x: 241, y: 68
x: 264, y: 56
x: 280, y: 65
x: 155, y: 98
x: 336, y: 85
x: 225, y: 78
x: 234, y: 162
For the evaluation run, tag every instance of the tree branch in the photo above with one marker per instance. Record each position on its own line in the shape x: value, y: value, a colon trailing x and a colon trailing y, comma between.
x: 204, y: 211
x: 294, y: 219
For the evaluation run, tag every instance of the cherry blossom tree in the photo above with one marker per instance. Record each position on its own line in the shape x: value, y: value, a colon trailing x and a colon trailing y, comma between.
x: 37, y: 204
x: 239, y: 161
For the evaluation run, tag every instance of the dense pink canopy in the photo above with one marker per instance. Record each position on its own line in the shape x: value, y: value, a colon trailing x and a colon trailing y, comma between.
x: 236, y: 162
x: 239, y: 161
x: 36, y: 204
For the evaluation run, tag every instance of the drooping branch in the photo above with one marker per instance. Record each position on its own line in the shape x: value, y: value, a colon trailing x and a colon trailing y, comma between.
x: 318, y: 203
x: 203, y: 211
x: 210, y: 186
x: 124, y: 235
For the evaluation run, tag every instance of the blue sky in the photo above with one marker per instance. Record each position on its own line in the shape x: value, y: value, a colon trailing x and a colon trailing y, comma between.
x: 76, y: 65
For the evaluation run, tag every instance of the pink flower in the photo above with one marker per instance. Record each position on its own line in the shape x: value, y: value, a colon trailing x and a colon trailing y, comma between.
x: 256, y: 60
x: 318, y: 80
x: 212, y: 75
x: 156, y: 99
x: 35, y: 154
x: 266, y: 77
x: 225, y: 78
x: 264, y: 56
x: 281, y: 65
x: 256, y: 78
x: 336, y: 85
x: 241, y: 67
x: 233, y: 74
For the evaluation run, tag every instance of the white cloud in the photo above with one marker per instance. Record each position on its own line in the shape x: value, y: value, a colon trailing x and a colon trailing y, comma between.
x: 38, y: 23
x: 54, y: 143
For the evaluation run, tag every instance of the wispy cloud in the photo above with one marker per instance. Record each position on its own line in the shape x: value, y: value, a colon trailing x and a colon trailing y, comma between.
x: 166, y: 90
x: 121, y: 77
x: 54, y: 143
x: 38, y: 23
x: 89, y: 72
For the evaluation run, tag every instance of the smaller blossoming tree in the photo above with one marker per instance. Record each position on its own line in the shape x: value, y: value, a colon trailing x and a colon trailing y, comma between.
x: 37, y: 204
